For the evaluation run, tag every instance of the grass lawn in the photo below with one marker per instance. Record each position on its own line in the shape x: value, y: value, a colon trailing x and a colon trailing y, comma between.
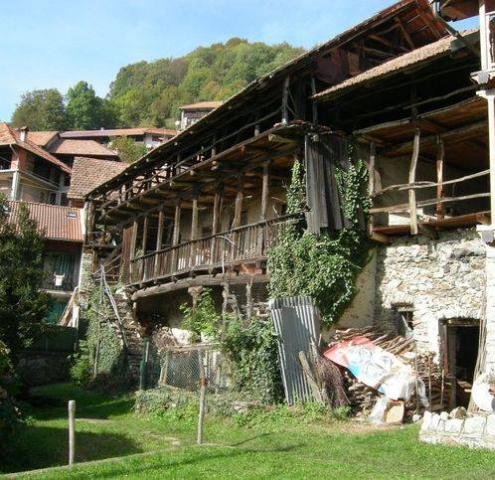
x: 274, y: 445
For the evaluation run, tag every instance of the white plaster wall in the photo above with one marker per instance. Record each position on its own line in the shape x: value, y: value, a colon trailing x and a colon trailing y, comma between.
x: 362, y: 309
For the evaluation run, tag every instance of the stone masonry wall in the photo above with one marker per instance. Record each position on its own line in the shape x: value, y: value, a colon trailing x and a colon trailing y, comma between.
x: 440, y: 278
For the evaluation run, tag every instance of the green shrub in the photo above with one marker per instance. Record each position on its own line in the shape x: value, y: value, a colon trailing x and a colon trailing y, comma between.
x: 10, y: 414
x: 323, y: 267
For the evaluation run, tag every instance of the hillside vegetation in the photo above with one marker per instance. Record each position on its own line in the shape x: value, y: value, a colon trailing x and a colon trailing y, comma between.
x: 149, y: 93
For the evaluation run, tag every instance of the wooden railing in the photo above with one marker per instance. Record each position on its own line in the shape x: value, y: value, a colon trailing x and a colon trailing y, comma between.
x: 247, y: 243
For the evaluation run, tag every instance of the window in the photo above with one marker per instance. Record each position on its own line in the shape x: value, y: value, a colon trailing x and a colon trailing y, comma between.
x: 405, y: 319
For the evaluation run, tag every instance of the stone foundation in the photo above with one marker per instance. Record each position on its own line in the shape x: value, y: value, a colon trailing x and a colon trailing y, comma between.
x: 477, y: 431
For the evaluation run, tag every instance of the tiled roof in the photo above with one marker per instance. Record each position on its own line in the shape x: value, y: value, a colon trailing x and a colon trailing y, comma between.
x: 9, y: 136
x: 118, y: 132
x: 54, y: 221
x: 68, y: 146
x: 42, y: 138
x: 201, y: 106
x: 88, y: 173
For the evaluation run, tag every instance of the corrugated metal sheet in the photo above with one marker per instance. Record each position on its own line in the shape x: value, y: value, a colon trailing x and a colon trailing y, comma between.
x: 56, y: 222
x: 297, y: 324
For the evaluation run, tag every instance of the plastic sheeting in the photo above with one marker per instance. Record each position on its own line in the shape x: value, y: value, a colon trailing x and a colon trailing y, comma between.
x: 377, y: 368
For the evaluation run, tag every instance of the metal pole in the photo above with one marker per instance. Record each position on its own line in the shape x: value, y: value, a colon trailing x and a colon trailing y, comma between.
x: 72, y: 431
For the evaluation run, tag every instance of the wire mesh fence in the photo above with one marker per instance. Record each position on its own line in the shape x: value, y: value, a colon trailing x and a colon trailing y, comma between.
x: 183, y: 367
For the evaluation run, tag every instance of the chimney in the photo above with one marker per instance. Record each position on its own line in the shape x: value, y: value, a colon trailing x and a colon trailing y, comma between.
x: 23, y: 131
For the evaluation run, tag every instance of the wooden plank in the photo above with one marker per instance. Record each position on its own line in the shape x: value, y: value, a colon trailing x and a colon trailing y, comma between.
x: 440, y: 207
x: 413, y: 217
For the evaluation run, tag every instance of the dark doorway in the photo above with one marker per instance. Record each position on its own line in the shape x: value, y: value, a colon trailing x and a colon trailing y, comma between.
x: 460, y: 352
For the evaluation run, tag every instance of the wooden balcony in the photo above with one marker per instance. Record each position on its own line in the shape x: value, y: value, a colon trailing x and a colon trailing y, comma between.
x: 213, y: 254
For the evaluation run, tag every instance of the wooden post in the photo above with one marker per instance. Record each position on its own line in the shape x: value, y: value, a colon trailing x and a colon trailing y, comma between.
x: 203, y: 362
x: 440, y: 208
x: 371, y: 183
x: 490, y: 97
x: 314, y: 104
x: 238, y: 203
x: 176, y: 232
x: 143, y: 370
x: 413, y: 217
x: 265, y: 191
x: 72, y: 431
x: 175, y: 237
x: 215, y: 225
x: 159, y: 241
x: 194, y: 229
x: 285, y: 100
x: 134, y: 239
x: 144, y: 246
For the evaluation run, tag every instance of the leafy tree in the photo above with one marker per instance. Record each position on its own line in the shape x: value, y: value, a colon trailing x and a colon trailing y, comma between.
x: 150, y: 93
x: 22, y: 305
x: 40, y: 110
x: 85, y: 110
x: 129, y: 151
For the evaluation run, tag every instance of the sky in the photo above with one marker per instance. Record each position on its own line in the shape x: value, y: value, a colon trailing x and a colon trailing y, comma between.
x: 56, y: 43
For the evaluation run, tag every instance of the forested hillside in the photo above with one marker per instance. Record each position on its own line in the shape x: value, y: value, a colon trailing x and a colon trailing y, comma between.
x: 149, y: 93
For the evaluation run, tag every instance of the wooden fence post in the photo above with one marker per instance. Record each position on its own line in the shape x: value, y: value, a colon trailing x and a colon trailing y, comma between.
x: 203, y: 361
x: 72, y: 431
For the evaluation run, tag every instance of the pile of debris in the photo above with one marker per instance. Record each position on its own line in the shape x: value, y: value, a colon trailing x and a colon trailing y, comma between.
x: 361, y: 397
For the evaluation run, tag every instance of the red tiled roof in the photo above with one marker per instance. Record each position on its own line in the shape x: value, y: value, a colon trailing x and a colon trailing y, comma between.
x: 54, y: 221
x: 9, y: 136
x: 201, y: 106
x: 68, y: 146
x: 42, y: 138
x: 88, y: 173
x: 118, y: 132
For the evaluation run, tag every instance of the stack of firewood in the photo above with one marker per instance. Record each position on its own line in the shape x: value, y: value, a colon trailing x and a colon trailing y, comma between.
x: 362, y: 397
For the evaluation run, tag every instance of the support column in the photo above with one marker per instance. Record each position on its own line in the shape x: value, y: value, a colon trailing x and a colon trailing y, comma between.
x: 413, y: 217
x: 159, y: 241
x: 132, y: 250
x: 215, y: 226
x: 175, y: 237
x: 194, y: 229
x: 238, y: 203
x: 440, y: 208
x: 265, y: 190
x: 144, y: 246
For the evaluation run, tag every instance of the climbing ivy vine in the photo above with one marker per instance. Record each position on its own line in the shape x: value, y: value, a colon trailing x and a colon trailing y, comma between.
x: 101, y: 351
x: 323, y: 267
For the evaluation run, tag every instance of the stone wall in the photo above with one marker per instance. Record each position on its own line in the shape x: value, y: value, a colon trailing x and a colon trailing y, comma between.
x: 476, y: 431
x: 440, y: 278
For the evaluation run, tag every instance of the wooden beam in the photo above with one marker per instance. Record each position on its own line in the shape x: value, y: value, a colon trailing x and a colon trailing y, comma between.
x: 238, y: 203
x: 285, y: 100
x: 440, y: 208
x: 176, y: 232
x: 217, y: 204
x: 413, y: 217
x: 371, y: 182
x: 194, y: 218
x: 159, y: 240
x: 265, y: 190
x: 135, y: 227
